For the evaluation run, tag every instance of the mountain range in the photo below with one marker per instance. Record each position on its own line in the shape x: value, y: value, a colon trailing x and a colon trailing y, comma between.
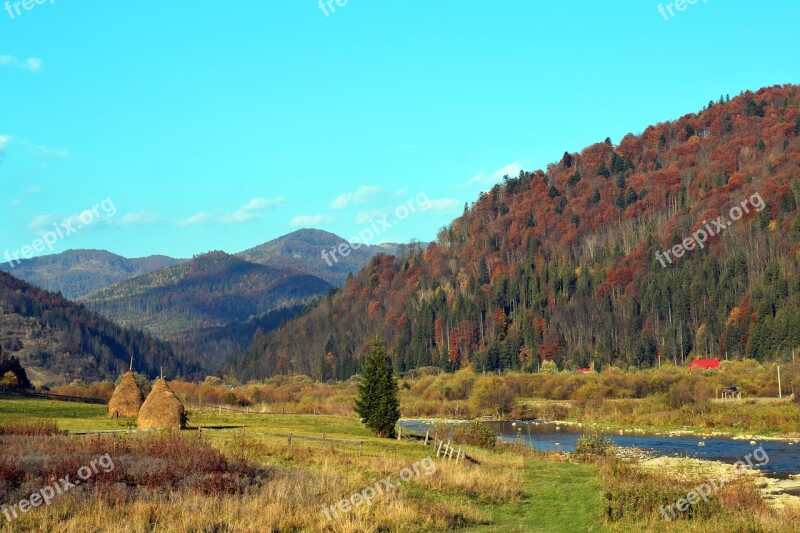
x: 208, y: 307
x: 76, y: 273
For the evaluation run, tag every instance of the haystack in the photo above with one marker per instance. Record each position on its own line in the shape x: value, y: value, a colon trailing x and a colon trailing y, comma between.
x: 162, y: 409
x: 127, y: 398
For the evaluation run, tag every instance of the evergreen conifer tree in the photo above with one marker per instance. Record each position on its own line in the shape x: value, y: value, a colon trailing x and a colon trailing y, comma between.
x: 377, y: 402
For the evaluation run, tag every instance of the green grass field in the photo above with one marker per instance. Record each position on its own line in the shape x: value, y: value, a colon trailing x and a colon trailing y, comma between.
x: 556, y: 497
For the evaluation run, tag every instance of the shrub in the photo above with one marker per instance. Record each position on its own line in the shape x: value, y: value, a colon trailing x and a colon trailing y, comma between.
x: 590, y: 394
x: 475, y: 434
x: 594, y: 446
x: 688, y: 393
x: 492, y: 395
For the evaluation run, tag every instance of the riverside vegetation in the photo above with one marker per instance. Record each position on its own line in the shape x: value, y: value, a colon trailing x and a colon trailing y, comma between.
x: 655, y: 400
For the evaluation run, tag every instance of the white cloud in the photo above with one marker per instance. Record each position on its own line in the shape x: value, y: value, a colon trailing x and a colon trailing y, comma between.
x: 364, y: 217
x: 4, y: 140
x: 312, y: 220
x: 44, y: 151
x: 444, y: 205
x: 41, y: 221
x: 359, y: 196
x: 512, y: 170
x: 252, y: 210
x: 197, y: 218
x: 33, y: 64
x: 139, y: 218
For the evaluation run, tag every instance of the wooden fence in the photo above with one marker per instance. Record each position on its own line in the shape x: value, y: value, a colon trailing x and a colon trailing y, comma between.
x: 246, y: 410
x: 444, y: 449
x: 61, y: 397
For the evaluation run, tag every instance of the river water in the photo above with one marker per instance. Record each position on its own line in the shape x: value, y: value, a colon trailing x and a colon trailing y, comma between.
x: 784, y: 456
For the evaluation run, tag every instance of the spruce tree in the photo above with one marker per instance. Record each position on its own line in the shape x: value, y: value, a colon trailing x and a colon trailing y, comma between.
x: 377, y: 393
x: 603, y: 170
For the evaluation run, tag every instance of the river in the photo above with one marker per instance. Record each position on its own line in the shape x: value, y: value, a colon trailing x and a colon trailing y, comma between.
x: 784, y: 456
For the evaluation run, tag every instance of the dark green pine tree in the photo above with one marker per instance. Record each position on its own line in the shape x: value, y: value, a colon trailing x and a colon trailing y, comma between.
x: 377, y: 401
x: 603, y: 170
x: 620, y: 200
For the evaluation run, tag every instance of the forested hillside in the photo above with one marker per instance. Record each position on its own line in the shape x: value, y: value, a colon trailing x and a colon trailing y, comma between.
x: 561, y: 264
x: 302, y: 251
x: 76, y: 273
x: 210, y: 305
x: 58, y: 341
x: 209, y: 291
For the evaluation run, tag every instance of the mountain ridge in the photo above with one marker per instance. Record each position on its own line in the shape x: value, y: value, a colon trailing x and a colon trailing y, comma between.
x: 78, y: 272
x: 560, y: 264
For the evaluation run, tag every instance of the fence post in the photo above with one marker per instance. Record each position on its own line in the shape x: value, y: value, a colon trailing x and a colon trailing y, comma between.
x: 451, y: 453
x: 439, y: 449
x: 427, y: 434
x: 458, y: 455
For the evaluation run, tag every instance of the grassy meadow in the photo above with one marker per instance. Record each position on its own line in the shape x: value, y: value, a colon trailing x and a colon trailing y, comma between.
x: 241, y: 474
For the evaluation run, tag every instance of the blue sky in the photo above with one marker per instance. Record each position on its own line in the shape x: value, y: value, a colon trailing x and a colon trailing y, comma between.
x: 214, y: 125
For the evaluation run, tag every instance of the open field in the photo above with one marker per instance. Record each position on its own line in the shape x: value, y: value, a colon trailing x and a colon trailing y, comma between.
x: 242, y: 476
x: 502, y: 493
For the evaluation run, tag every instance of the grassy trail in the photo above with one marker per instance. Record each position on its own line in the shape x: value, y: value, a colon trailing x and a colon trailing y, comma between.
x: 560, y: 498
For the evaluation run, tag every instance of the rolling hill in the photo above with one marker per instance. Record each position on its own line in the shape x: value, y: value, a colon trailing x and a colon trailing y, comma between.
x: 58, y: 341
x: 302, y: 251
x: 589, y: 261
x: 76, y: 273
x: 211, y: 305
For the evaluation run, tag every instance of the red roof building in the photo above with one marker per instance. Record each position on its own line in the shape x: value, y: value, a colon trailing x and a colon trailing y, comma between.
x: 705, y: 364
